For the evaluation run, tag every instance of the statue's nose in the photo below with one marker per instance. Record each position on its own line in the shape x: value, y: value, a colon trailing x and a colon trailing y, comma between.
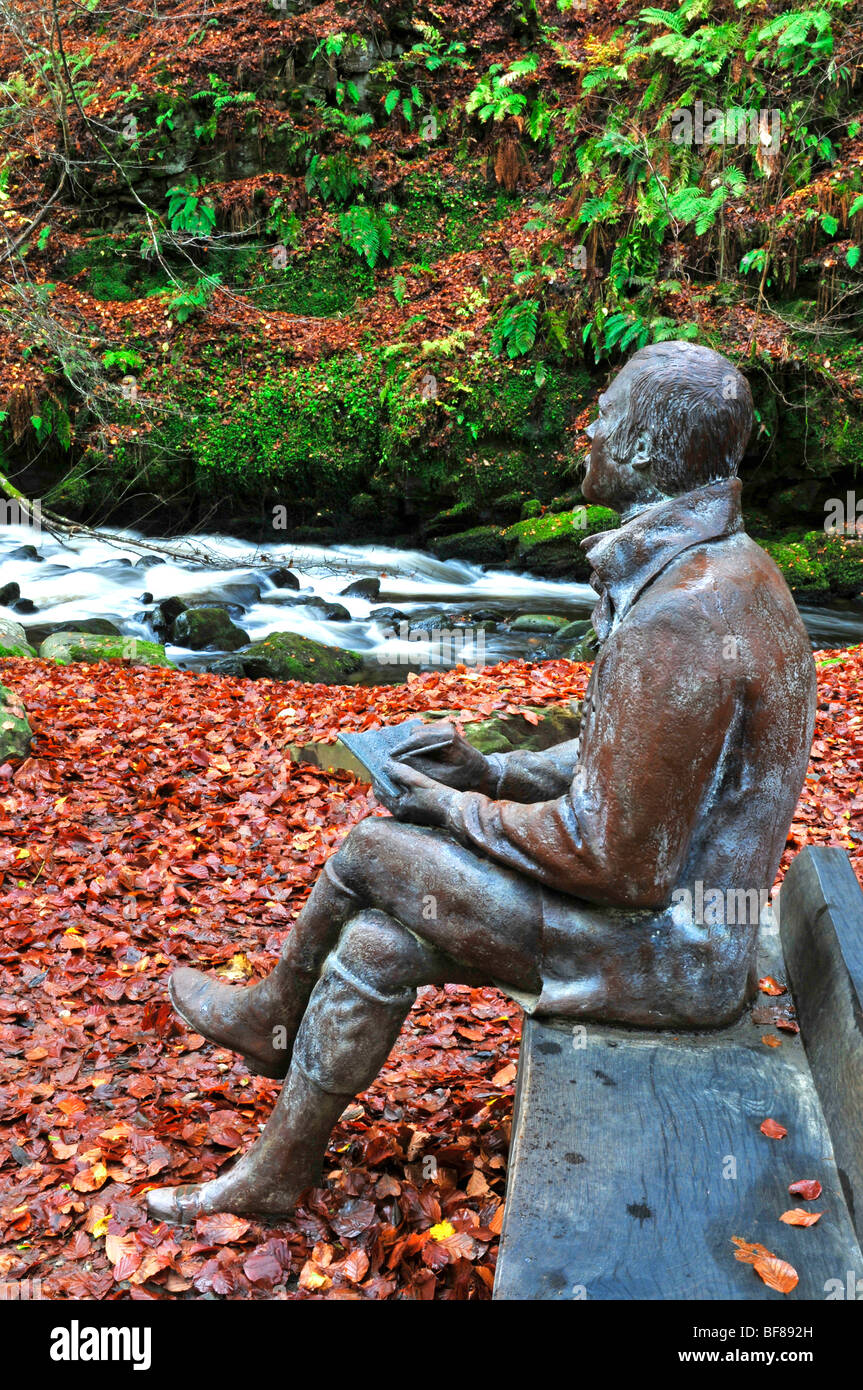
x: 590, y: 431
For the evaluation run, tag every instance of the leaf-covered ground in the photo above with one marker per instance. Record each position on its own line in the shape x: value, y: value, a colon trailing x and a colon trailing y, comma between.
x: 158, y: 821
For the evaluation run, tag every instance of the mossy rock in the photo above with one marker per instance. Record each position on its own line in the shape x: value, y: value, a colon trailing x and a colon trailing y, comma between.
x: 482, y: 545
x: 208, y: 629
x: 66, y: 647
x: 502, y: 733
x: 24, y: 651
x: 13, y: 639
x: 550, y: 545
x: 286, y: 656
x: 841, y: 559
x: 575, y: 631
x: 540, y: 622
x: 95, y: 627
x: 803, y: 573
x: 15, y: 731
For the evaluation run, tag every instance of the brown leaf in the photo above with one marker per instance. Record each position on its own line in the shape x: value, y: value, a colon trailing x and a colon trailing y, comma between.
x: 773, y: 1129
x: 768, y: 985
x: 798, y: 1217
x: 807, y: 1188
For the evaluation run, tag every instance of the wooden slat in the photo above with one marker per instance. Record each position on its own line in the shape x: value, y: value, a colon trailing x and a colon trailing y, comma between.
x: 822, y: 932
x: 637, y: 1157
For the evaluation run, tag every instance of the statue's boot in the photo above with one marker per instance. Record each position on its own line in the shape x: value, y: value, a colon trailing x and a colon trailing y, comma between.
x: 345, y: 1037
x: 260, y: 1021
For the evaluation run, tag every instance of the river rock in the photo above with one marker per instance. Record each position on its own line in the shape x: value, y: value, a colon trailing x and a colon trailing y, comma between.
x: 287, y: 656
x: 24, y: 605
x: 573, y: 632
x: 282, y: 578
x: 13, y: 639
x: 226, y: 666
x: 363, y: 588
x: 208, y: 628
x: 15, y: 731
x: 389, y: 615
x: 8, y: 593
x: 335, y: 613
x: 539, y: 622
x: 237, y: 594
x: 502, y: 733
x: 97, y: 627
x: 65, y: 647
x: 24, y: 552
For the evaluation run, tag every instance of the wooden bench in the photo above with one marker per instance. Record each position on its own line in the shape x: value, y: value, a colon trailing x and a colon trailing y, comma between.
x: 637, y: 1156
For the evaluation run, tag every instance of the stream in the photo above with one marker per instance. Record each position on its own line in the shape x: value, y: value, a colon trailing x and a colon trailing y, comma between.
x: 86, y: 578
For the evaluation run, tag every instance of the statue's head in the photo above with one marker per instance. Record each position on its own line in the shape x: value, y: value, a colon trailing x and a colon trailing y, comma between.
x: 676, y: 417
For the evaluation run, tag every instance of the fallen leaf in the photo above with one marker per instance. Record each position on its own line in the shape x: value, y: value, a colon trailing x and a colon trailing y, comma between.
x: 807, y: 1188
x: 798, y: 1217
x: 773, y: 1129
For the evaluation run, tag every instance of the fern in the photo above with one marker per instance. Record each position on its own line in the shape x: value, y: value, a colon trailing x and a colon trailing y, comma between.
x: 367, y: 232
x: 516, y: 329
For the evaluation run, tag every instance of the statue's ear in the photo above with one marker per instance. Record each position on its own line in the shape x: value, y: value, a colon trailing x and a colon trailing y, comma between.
x: 641, y: 458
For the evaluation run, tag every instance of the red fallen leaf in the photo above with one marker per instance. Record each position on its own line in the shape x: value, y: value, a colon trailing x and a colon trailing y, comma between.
x: 261, y: 1268
x: 768, y: 985
x: 773, y: 1129
x: 788, y: 1025
x: 221, y: 1228
x: 807, y: 1188
x: 356, y: 1266
x: 770, y: 1040
x: 222, y: 1129
x: 776, y: 1273
x: 798, y: 1217
x: 505, y: 1075
x: 73, y: 1106
x: 123, y: 1253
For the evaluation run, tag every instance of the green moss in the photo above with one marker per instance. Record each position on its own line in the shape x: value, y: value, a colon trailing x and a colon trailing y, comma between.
x: 481, y: 545
x: 287, y: 656
x: 841, y: 560
x: 328, y: 281
x: 15, y: 733
x: 550, y: 545
x: 803, y: 574
x: 66, y: 647
x: 16, y: 650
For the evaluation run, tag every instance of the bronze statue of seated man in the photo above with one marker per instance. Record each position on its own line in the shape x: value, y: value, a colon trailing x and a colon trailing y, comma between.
x: 559, y: 876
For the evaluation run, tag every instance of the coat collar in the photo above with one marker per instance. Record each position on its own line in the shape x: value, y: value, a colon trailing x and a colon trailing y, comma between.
x: 624, y: 562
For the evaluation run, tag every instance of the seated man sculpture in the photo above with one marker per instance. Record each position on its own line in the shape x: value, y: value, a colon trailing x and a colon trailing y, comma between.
x: 556, y: 876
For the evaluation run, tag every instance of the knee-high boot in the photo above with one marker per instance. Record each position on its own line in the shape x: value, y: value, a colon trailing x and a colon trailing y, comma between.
x: 260, y: 1021
x: 346, y: 1035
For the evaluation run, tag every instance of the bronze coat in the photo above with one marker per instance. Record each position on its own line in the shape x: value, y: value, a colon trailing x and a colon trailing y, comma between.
x: 698, y: 722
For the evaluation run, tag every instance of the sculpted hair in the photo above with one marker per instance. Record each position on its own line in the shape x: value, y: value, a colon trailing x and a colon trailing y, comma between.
x: 691, y: 409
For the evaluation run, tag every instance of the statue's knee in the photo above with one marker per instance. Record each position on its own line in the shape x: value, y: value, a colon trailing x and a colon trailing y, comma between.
x: 379, y: 951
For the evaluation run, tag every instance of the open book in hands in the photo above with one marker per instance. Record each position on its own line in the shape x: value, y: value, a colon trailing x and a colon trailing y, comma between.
x: 414, y: 742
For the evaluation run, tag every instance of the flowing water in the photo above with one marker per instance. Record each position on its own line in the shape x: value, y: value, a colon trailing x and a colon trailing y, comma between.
x: 91, y: 577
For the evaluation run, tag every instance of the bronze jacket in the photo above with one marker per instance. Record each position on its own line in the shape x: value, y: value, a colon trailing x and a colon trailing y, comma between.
x: 697, y: 725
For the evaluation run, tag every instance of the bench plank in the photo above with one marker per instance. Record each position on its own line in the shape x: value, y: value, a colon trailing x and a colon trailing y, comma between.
x: 821, y: 921
x: 616, y: 1186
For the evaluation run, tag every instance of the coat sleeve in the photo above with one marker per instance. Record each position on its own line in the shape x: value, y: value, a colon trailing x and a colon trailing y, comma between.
x: 525, y: 776
x: 663, y: 708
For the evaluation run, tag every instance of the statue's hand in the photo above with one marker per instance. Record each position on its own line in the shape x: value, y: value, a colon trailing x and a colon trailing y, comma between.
x: 443, y: 754
x: 423, y: 801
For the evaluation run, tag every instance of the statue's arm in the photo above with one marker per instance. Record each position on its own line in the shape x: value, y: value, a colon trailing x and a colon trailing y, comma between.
x: 526, y: 777
x: 620, y: 833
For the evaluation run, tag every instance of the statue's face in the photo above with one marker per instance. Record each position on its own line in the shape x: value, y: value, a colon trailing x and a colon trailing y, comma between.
x: 617, y: 483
